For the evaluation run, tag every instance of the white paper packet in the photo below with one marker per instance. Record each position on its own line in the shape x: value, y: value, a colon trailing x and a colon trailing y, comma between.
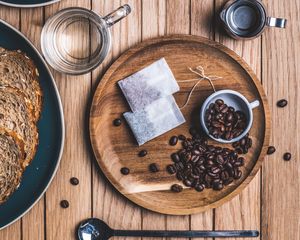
x: 155, y: 119
x: 149, y: 84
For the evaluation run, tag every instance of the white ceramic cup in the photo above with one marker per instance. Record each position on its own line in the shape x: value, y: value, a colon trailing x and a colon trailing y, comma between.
x: 233, y: 99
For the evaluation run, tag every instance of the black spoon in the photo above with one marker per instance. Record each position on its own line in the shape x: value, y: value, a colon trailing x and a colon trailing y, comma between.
x: 96, y: 229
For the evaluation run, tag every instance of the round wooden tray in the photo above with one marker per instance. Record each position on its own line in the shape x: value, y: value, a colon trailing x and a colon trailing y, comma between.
x: 115, y: 147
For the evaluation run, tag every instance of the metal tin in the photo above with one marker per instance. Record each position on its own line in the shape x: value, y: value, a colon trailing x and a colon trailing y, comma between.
x: 247, y: 19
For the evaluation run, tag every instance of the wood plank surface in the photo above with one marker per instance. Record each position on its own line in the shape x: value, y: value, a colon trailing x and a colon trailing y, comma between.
x: 242, y: 212
x: 75, y: 90
x: 154, y: 12
x: 108, y: 204
x: 270, y: 203
x: 281, y: 77
x: 178, y: 11
x: 202, y: 24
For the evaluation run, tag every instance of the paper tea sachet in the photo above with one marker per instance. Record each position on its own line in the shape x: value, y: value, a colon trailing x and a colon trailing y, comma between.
x: 149, y: 84
x: 155, y: 119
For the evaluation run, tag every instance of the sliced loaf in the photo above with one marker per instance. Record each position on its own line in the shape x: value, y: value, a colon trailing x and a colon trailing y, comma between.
x: 18, y: 71
x: 16, y: 115
x: 11, y: 158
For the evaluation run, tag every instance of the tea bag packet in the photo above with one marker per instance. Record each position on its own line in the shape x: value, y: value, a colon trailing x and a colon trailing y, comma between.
x: 155, y: 119
x: 148, y: 85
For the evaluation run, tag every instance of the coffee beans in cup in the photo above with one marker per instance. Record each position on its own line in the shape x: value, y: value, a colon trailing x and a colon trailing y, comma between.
x: 223, y: 121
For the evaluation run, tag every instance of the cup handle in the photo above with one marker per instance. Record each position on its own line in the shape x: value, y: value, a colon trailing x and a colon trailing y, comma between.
x: 276, y: 22
x: 117, y: 15
x: 254, y: 104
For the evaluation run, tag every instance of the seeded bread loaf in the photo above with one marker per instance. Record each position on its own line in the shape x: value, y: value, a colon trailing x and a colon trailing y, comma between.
x: 16, y: 115
x: 11, y: 158
x: 18, y: 71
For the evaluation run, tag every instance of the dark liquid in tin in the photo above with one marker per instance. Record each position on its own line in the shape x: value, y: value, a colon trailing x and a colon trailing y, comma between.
x: 245, y: 19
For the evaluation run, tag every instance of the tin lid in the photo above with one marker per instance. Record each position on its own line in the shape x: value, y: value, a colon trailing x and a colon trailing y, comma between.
x: 245, y: 18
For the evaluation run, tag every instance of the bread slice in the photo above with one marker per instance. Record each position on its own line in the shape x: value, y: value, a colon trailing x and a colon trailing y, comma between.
x: 11, y: 158
x: 16, y: 115
x: 18, y: 71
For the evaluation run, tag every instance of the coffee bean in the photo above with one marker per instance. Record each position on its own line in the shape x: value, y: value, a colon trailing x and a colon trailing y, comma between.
x: 193, y: 131
x: 117, y: 122
x: 199, y: 165
x: 125, y: 170
x: 217, y: 186
x: 282, y: 103
x: 64, y: 203
x: 74, y: 181
x: 224, y: 122
x: 171, y: 169
x: 219, y: 102
x: 181, y: 137
x: 237, y: 174
x: 176, y: 188
x: 187, y: 182
x: 143, y: 153
x: 199, y: 187
x: 175, y: 157
x: 153, y: 167
x: 287, y: 156
x: 271, y: 150
x: 173, y: 140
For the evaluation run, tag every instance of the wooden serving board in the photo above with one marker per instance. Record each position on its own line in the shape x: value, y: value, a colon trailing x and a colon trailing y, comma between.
x: 115, y: 147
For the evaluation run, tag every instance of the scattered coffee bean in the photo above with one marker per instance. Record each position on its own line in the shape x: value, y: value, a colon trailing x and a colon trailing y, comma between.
x: 193, y: 131
x: 153, y: 167
x: 125, y: 170
x: 282, y: 103
x: 173, y: 140
x: 176, y: 188
x: 117, y: 122
x: 199, y: 165
x: 143, y: 153
x: 223, y: 121
x: 171, y: 169
x: 242, y: 146
x: 287, y: 156
x: 175, y: 157
x: 74, y: 181
x: 64, y: 203
x: 271, y: 150
x: 181, y: 137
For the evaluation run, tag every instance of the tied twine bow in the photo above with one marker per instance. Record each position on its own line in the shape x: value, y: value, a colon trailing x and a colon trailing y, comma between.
x: 200, y: 72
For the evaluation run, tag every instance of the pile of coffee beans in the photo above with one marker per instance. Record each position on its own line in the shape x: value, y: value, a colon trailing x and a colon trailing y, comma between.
x: 199, y: 165
x: 223, y: 121
x: 242, y: 146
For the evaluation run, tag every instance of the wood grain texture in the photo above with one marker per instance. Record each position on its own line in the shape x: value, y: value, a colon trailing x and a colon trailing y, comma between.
x: 13, y: 231
x: 202, y: 24
x: 178, y: 11
x: 36, y: 214
x: 243, y: 212
x: 281, y: 77
x: 150, y: 18
x: 61, y: 223
x: 116, y: 147
x: 108, y: 204
x: 154, y: 12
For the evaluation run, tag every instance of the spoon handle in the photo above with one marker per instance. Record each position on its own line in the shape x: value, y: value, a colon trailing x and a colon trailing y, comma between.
x: 190, y: 234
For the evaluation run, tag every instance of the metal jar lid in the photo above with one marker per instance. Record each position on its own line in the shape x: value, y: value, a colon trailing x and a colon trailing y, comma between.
x: 244, y: 18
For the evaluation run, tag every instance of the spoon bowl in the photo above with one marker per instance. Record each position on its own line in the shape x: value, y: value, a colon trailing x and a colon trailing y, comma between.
x: 94, y: 229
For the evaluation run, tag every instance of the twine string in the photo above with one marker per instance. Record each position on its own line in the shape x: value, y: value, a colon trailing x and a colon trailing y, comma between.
x: 200, y: 72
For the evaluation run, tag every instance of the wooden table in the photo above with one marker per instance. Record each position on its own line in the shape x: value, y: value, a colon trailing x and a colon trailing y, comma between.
x: 270, y: 203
